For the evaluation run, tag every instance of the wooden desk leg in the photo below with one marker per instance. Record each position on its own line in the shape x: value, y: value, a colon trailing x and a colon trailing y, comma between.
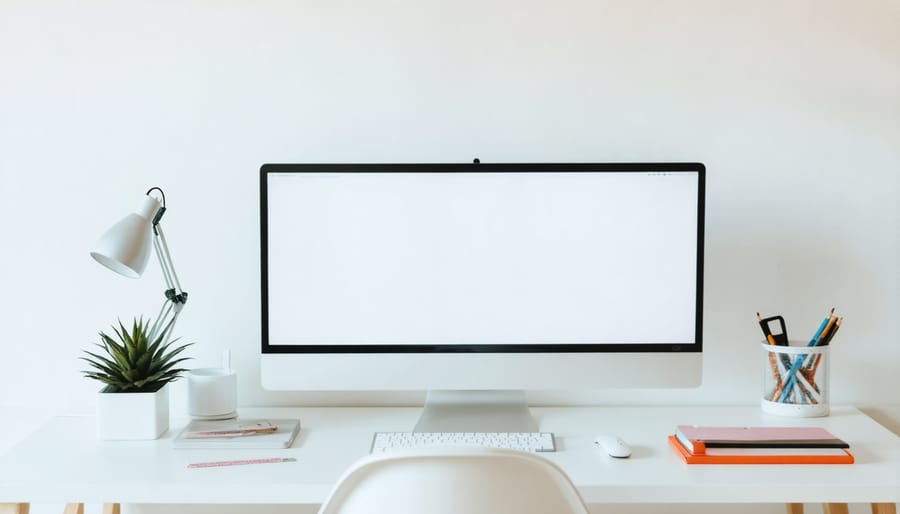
x: 835, y: 508
x: 14, y: 508
x: 884, y: 508
x: 78, y: 508
x: 794, y: 508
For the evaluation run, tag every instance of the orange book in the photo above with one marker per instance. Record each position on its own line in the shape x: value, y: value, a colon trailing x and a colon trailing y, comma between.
x: 763, y: 455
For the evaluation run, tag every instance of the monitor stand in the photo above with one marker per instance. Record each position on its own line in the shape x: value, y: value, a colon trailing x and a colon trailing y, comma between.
x: 476, y: 411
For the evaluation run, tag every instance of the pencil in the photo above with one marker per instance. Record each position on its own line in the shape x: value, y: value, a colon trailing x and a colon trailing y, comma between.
x: 223, y: 463
x: 824, y: 337
x: 837, y: 325
x: 789, y: 379
x: 818, y: 334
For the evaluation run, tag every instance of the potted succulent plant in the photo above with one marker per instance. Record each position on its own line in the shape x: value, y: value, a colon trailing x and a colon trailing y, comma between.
x: 135, y: 366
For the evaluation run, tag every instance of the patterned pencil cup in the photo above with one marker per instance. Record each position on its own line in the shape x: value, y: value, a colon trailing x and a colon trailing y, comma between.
x: 795, y: 380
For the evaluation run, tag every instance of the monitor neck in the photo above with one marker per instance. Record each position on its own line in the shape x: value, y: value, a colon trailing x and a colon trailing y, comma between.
x: 476, y: 411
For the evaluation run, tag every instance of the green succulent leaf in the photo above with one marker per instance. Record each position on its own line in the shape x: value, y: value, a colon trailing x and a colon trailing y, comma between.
x: 98, y: 361
x: 169, y: 356
x: 129, y: 361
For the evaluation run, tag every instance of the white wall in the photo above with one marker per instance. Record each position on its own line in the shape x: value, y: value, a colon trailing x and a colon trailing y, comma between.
x: 793, y: 106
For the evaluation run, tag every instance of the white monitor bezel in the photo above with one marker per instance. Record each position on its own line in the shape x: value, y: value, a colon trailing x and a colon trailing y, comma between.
x: 475, y: 367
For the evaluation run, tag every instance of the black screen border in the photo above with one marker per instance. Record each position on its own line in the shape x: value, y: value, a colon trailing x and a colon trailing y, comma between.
x: 634, y: 167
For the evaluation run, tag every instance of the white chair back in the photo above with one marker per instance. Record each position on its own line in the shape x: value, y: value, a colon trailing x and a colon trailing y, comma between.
x: 454, y: 480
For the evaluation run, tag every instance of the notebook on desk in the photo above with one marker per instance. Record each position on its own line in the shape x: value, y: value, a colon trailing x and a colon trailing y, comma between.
x: 762, y: 455
x: 238, y: 433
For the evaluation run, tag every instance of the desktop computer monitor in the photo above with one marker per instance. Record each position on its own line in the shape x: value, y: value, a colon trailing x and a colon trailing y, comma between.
x: 481, y: 277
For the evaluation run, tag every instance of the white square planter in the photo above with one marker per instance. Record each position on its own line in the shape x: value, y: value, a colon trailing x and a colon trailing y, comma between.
x: 124, y: 416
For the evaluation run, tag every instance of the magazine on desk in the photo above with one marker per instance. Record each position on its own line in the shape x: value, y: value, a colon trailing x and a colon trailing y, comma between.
x: 238, y: 433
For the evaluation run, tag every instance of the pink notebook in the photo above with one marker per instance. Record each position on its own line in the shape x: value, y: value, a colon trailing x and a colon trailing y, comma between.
x: 697, y: 439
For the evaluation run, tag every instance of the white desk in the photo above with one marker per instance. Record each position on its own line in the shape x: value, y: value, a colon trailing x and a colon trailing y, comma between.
x: 63, y: 462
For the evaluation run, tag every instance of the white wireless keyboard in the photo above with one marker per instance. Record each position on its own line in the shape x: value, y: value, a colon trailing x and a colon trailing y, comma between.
x: 523, y: 441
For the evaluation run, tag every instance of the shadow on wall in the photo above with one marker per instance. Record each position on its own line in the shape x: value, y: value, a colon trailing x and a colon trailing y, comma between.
x: 888, y: 417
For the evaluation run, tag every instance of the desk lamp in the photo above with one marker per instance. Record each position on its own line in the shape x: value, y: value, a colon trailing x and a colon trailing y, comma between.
x: 125, y: 247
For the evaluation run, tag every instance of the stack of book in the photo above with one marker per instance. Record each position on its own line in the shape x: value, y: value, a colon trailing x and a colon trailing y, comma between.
x: 758, y: 445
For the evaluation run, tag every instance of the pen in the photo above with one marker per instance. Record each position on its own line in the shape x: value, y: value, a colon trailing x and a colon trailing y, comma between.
x: 222, y: 463
x: 207, y: 434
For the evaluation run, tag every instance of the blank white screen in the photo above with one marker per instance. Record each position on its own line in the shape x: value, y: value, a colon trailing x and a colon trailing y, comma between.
x: 482, y: 258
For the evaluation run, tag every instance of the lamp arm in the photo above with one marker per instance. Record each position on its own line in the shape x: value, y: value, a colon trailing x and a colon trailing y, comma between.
x: 173, y: 286
x: 168, y: 309
x: 168, y: 314
x: 176, y: 297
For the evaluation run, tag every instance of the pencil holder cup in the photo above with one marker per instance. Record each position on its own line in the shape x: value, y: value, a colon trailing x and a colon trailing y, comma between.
x: 795, y: 380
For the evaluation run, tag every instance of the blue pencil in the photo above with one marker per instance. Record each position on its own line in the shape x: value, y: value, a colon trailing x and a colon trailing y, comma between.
x: 791, y: 378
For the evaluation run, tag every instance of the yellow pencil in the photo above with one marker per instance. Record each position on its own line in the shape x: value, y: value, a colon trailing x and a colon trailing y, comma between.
x: 837, y: 325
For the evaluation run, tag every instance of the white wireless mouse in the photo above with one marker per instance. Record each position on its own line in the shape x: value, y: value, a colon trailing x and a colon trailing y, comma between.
x: 613, y: 445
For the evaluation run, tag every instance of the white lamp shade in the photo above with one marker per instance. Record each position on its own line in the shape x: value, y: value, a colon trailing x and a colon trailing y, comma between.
x: 125, y: 247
